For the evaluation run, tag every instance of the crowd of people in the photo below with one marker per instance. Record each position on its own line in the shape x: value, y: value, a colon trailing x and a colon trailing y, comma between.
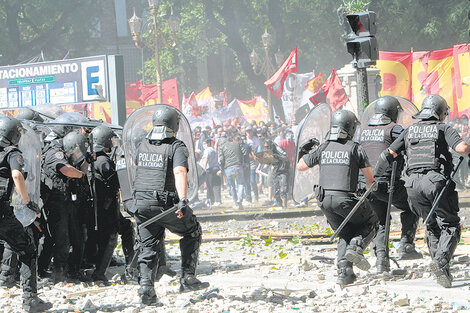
x: 255, y: 161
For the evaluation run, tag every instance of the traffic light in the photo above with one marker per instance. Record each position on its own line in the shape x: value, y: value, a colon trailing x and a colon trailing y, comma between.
x: 362, y: 44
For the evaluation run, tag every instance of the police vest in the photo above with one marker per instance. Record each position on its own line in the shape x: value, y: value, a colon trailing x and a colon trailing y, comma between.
x: 152, y: 164
x: 6, y: 183
x: 50, y: 177
x: 123, y: 177
x: 375, y: 139
x: 424, y: 150
x: 338, y: 168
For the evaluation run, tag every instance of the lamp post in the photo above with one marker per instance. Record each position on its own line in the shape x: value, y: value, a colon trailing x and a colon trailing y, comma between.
x: 266, y: 68
x: 135, y: 26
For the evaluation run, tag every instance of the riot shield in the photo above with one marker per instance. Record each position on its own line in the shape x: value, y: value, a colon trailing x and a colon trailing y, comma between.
x: 315, y: 125
x: 76, y: 119
x: 140, y: 123
x: 408, y: 109
x: 30, y: 146
x: 48, y: 112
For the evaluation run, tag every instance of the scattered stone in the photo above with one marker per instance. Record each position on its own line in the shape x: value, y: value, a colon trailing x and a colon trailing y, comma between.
x: 312, y: 294
x: 402, y: 301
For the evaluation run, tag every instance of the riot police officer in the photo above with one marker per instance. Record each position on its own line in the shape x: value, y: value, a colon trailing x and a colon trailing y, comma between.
x: 11, y: 230
x: 107, y: 193
x: 160, y: 183
x: 58, y: 167
x: 381, y: 130
x: 29, y: 115
x: 340, y: 160
x: 429, y: 165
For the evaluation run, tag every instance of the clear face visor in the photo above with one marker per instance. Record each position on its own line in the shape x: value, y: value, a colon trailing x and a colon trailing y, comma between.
x: 77, y: 155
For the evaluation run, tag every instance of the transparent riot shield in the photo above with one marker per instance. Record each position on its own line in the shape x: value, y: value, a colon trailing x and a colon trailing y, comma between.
x: 30, y: 146
x: 139, y: 124
x: 408, y: 109
x: 48, y: 112
x: 316, y: 125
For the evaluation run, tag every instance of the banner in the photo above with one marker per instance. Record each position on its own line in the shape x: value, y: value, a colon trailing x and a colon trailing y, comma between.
x: 296, y: 93
x: 276, y: 82
x: 415, y: 75
x: 255, y: 109
x: 332, y: 92
x: 149, y: 93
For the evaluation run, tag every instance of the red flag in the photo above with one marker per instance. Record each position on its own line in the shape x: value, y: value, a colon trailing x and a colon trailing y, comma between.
x: 276, y: 82
x: 133, y: 91
x: 315, y: 83
x: 169, y: 92
x: 333, y: 91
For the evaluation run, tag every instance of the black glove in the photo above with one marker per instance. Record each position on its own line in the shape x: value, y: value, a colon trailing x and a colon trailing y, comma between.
x: 88, y: 157
x: 307, y: 146
x: 33, y: 207
x: 182, y: 205
x: 384, y: 161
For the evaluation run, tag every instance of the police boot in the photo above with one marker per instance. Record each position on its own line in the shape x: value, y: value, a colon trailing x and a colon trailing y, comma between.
x: 58, y: 275
x: 355, y: 253
x: 407, y: 250
x: 147, y: 295
x: 189, y: 282
x: 383, y: 262
x: 32, y: 303
x: 441, y: 270
x: 346, y: 274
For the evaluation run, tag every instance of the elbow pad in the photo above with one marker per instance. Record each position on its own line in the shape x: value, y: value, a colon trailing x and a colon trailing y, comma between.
x: 384, y: 161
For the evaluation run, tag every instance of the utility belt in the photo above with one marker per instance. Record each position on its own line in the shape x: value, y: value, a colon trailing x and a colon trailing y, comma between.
x: 163, y: 199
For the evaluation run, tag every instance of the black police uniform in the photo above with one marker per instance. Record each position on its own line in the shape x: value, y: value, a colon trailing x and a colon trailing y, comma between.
x: 126, y: 228
x: 429, y: 164
x: 280, y: 172
x: 340, y: 162
x: 11, y: 230
x: 57, y: 206
x: 155, y: 191
x: 107, y: 192
x: 374, y: 140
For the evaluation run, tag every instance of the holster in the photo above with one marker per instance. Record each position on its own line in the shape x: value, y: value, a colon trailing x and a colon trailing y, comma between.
x: 319, y: 192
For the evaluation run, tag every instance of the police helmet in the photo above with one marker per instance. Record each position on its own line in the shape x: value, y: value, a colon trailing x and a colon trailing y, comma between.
x: 165, y: 122
x: 102, y: 137
x: 386, y: 111
x: 343, y: 125
x: 29, y: 115
x: 433, y: 107
x: 75, y: 146
x: 68, y: 117
x: 10, y: 131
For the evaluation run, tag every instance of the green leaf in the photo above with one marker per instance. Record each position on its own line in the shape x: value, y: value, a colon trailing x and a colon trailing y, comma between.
x: 282, y: 255
x: 268, y: 241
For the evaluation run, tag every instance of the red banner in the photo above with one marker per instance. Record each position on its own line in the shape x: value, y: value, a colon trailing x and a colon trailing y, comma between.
x: 276, y: 82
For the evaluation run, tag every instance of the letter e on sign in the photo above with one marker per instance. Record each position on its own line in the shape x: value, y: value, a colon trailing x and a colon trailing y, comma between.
x: 93, y: 79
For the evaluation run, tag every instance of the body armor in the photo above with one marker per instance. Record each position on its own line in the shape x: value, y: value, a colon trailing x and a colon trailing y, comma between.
x: 376, y: 139
x: 338, y: 170
x: 422, y: 147
x: 50, y: 177
x: 6, y: 183
x: 151, y: 174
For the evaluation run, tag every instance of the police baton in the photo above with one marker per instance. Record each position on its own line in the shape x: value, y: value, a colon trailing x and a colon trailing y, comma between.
x: 173, y: 209
x: 93, y: 180
x: 354, y: 209
x: 391, y: 189
x: 443, y: 190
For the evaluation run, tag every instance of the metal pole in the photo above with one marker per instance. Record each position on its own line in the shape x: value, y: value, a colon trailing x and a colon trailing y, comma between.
x: 268, y: 74
x: 362, y: 90
x: 157, y: 58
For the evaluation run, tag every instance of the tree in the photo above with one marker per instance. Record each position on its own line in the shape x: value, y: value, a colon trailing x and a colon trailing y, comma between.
x: 55, y: 27
x: 233, y: 28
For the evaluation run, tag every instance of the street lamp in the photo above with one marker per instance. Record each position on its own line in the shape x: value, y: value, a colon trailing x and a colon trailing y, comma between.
x: 135, y: 26
x: 265, y: 67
